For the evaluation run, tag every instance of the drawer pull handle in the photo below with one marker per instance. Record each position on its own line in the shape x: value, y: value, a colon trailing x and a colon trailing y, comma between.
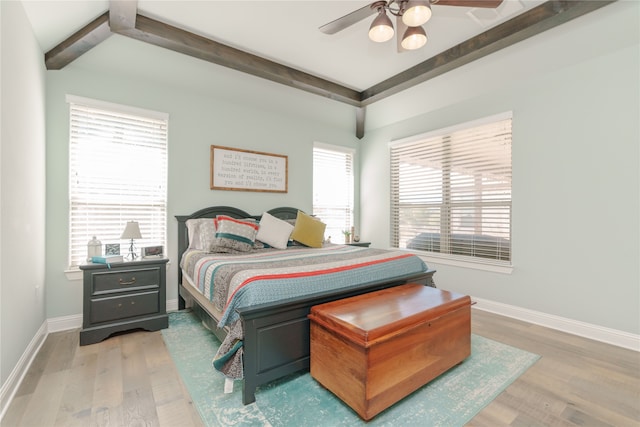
x: 130, y: 282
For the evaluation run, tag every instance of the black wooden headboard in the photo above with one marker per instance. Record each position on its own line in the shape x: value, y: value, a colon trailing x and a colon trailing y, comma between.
x: 212, y: 212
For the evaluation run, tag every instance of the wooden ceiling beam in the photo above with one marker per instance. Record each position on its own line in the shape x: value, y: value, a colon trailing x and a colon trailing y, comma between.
x: 122, y: 14
x: 78, y: 43
x: 167, y: 36
x: 124, y: 20
x: 534, y: 21
x: 360, y: 116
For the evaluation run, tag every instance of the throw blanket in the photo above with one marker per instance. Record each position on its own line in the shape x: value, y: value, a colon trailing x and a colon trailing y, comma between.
x: 232, y: 281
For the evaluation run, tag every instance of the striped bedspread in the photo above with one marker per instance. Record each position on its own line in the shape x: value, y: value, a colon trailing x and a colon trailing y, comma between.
x: 232, y: 281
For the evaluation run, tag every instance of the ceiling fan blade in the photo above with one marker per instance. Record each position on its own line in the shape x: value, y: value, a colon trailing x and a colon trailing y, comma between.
x: 347, y: 20
x: 470, y: 3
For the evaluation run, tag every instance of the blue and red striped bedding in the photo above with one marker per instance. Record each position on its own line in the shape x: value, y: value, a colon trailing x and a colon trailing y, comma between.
x: 232, y: 281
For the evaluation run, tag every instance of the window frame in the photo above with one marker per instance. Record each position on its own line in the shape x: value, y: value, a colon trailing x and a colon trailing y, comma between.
x: 154, y: 221
x: 473, y: 261
x: 350, y: 221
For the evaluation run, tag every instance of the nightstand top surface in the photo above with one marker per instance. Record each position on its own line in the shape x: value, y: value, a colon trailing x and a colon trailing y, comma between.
x: 125, y: 263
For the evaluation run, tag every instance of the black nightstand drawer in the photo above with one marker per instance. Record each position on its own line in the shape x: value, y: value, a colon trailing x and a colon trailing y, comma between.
x: 125, y: 280
x: 120, y: 308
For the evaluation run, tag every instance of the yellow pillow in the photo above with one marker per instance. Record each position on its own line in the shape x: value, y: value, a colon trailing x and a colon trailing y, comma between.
x: 308, y: 230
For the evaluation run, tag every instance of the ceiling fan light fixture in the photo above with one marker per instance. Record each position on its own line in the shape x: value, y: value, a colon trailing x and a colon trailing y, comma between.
x: 381, y: 29
x: 414, y: 38
x: 417, y: 13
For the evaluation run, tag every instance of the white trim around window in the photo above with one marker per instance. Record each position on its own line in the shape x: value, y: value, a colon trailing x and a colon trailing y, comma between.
x: 450, y: 193
x: 117, y: 173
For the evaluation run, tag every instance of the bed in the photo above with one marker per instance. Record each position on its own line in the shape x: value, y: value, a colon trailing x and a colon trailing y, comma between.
x: 274, y: 334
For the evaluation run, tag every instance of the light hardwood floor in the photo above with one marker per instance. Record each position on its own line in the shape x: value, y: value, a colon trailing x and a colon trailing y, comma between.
x: 130, y: 380
x: 126, y: 380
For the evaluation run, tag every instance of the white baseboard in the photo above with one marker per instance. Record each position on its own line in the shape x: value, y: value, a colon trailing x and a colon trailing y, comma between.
x: 587, y: 330
x: 10, y: 386
x: 65, y: 323
x: 172, y: 305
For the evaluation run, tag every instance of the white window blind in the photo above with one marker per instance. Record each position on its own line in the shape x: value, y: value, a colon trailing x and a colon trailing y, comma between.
x: 117, y: 173
x: 333, y: 189
x: 451, y: 191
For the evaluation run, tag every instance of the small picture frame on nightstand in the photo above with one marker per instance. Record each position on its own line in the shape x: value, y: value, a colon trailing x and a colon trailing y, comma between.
x: 152, y: 252
x: 112, y: 249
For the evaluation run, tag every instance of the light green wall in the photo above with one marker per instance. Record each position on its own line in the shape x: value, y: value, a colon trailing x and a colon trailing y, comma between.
x: 22, y: 187
x: 575, y: 96
x: 207, y: 105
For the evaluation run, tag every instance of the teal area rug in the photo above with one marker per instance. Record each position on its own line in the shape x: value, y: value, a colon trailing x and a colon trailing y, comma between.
x: 452, y: 399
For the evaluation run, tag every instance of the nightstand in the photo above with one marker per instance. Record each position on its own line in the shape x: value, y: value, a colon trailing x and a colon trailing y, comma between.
x: 123, y: 296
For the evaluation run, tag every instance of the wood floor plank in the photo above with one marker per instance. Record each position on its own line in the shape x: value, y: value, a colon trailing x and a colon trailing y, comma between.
x: 63, y: 353
x: 173, y: 403
x: 107, y: 392
x: 35, y: 371
x: 138, y: 404
x: 15, y: 411
x: 576, y: 382
x: 496, y: 414
x: 77, y: 398
x: 591, y: 382
x: 44, y: 404
x: 582, y: 389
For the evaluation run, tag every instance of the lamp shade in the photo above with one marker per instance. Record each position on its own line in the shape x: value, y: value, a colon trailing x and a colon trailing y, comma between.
x: 131, y: 231
x: 417, y: 13
x: 381, y: 28
x: 414, y: 38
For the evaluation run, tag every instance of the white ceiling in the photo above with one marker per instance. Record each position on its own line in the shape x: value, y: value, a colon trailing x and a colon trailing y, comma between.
x: 286, y: 31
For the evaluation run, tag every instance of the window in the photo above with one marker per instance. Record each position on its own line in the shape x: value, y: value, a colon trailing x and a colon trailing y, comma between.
x: 117, y: 173
x: 333, y: 188
x: 451, y: 191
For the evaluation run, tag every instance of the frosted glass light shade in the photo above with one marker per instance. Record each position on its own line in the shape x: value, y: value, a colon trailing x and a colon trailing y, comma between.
x: 414, y: 38
x: 417, y: 13
x: 381, y: 28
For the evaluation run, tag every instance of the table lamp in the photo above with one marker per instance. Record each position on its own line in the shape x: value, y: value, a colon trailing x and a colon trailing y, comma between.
x: 131, y: 231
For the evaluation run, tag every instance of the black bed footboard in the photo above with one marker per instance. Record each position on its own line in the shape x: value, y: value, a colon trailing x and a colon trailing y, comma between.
x: 276, y: 338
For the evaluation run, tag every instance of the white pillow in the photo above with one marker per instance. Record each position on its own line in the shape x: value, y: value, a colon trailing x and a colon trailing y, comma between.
x: 274, y: 231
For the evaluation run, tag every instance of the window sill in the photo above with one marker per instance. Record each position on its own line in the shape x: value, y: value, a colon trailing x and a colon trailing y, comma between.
x: 73, y: 273
x: 464, y: 263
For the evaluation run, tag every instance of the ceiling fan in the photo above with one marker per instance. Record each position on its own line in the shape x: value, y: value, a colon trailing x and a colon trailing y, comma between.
x: 410, y: 16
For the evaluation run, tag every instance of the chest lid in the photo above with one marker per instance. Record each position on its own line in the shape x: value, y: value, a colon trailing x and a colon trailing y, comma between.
x: 377, y: 315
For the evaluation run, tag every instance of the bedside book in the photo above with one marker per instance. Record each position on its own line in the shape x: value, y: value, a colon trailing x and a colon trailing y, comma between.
x: 110, y: 259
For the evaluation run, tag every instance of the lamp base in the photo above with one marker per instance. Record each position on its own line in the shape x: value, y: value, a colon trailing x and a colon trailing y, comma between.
x: 131, y: 256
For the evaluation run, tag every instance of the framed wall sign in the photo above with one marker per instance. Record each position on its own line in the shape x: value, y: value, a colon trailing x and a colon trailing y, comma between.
x: 245, y: 170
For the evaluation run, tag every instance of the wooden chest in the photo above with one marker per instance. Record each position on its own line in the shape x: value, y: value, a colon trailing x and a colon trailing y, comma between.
x: 374, y: 349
